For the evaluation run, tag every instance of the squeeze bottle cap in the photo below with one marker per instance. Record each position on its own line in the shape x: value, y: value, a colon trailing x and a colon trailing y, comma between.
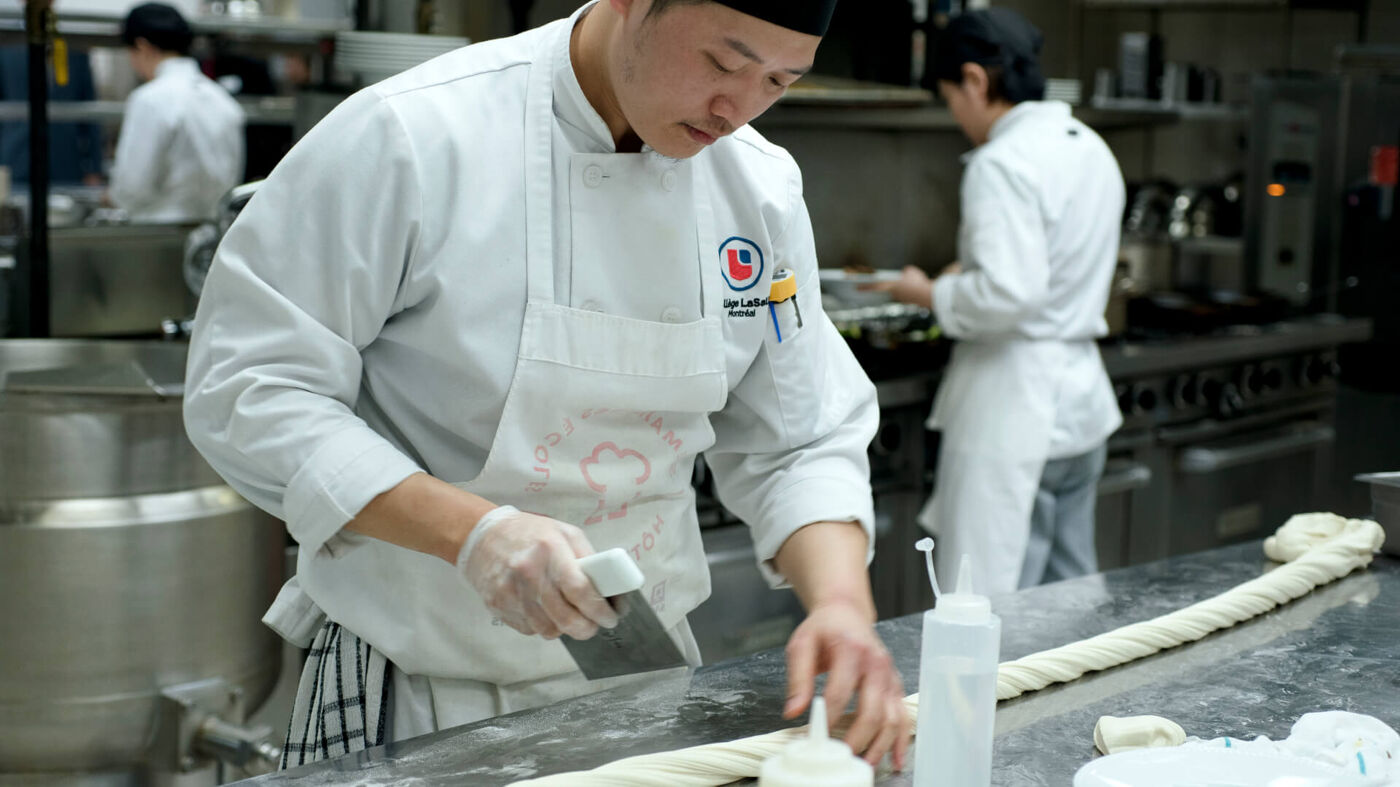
x: 963, y: 605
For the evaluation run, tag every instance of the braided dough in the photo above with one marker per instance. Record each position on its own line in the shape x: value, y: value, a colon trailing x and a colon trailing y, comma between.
x: 1315, y: 548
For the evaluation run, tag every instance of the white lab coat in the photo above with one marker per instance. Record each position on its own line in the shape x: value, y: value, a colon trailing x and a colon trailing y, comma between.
x: 1042, y: 203
x: 181, y: 146
x: 362, y: 319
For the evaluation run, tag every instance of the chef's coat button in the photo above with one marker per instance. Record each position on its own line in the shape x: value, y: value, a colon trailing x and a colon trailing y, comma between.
x: 671, y: 314
x: 668, y: 180
x: 591, y: 305
x: 593, y: 176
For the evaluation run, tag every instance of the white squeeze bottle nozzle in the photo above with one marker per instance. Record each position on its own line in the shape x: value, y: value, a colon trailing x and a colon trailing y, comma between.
x: 957, y: 685
x: 817, y: 760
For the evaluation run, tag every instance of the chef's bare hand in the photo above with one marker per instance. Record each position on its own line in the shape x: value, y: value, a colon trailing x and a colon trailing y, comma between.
x: 913, y: 286
x: 838, y: 639
x: 525, y: 567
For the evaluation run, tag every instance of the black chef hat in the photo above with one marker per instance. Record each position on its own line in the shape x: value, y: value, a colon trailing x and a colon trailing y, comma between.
x: 993, y: 37
x: 159, y: 24
x: 804, y: 16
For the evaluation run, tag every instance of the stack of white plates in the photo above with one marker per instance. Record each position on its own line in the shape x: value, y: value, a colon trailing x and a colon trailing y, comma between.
x: 1066, y: 90
x: 376, y: 56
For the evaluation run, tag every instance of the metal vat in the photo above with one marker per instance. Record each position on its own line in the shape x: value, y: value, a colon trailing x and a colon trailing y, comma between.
x: 133, y: 579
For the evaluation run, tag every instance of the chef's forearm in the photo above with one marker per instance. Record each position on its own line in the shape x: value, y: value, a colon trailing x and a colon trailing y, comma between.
x: 825, y: 563
x: 424, y: 514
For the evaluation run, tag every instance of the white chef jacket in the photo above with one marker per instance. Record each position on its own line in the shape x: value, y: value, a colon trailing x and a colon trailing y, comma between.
x: 1042, y: 202
x: 362, y: 317
x: 181, y: 146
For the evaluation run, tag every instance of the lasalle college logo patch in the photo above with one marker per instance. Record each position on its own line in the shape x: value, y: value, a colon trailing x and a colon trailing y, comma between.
x: 741, y: 262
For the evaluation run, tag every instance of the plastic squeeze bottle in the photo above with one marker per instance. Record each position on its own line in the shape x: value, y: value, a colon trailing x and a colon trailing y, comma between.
x: 957, y: 685
x: 817, y: 761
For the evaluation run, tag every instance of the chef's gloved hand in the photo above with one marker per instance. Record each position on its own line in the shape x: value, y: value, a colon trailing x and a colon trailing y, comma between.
x: 525, y: 567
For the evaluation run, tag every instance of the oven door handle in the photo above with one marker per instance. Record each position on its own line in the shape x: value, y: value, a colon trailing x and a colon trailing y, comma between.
x: 1127, y: 477
x: 1208, y: 460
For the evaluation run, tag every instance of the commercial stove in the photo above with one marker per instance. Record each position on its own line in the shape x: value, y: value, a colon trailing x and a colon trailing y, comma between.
x: 1226, y: 434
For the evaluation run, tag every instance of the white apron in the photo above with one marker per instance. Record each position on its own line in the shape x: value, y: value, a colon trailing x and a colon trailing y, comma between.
x: 600, y: 429
x: 996, y: 409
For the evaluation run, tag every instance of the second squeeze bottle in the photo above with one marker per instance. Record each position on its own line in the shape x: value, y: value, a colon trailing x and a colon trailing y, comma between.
x: 957, y: 685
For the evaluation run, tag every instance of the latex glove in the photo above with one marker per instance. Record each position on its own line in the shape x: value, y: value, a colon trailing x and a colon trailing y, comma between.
x: 838, y: 639
x: 525, y: 567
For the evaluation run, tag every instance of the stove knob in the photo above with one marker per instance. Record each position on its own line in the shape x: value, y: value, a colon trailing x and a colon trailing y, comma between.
x: 1184, y: 391
x: 1224, y: 399
x: 1210, y: 390
x: 1230, y: 402
x: 1250, y: 381
x: 1315, y: 371
x: 1146, y: 400
x: 1126, y: 398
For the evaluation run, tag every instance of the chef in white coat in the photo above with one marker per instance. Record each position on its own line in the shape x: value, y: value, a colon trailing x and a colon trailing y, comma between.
x: 181, y: 143
x: 1025, y: 406
x: 480, y: 321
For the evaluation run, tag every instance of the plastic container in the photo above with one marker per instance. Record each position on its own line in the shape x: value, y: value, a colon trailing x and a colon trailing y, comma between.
x: 817, y: 761
x: 957, y: 688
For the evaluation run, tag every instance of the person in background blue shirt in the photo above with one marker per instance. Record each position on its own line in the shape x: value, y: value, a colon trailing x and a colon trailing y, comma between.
x: 75, y: 149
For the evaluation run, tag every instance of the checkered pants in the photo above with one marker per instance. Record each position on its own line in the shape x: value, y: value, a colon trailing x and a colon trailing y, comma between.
x: 341, y: 701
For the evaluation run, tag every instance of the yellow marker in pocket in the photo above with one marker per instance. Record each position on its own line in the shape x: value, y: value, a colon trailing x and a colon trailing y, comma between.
x: 784, y: 288
x: 58, y: 52
x: 60, y: 62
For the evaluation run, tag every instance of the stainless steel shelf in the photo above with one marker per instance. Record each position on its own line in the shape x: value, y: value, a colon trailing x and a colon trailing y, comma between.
x: 1222, y: 5
x: 1194, y: 5
x: 1172, y: 111
x: 827, y: 91
x: 1217, y: 245
x: 269, y: 110
x: 96, y: 29
x: 924, y: 118
x: 929, y: 117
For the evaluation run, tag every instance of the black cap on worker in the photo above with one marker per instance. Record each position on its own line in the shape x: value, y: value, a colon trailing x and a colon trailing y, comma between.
x: 161, y: 25
x: 993, y: 37
x: 805, y: 16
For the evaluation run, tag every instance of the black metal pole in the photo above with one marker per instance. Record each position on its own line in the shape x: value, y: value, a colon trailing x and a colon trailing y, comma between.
x: 35, y: 276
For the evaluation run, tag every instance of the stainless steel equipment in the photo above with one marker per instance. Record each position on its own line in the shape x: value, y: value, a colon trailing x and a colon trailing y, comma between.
x: 1293, y: 200
x: 1370, y: 225
x: 117, y: 280
x: 133, y: 579
x: 1385, y: 505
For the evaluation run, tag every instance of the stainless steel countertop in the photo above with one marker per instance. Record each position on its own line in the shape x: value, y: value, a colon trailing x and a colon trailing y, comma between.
x: 1335, y: 649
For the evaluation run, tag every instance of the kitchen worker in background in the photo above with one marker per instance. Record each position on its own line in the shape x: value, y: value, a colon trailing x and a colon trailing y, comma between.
x: 479, y: 323
x: 181, y: 142
x: 1025, y: 406
x: 75, y: 149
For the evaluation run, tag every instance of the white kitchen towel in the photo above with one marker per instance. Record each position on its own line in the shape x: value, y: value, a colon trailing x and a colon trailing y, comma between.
x: 1332, y: 748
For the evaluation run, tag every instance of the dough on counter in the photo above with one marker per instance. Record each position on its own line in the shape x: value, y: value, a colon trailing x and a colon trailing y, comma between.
x: 1349, y: 546
x: 1113, y: 734
x: 1321, y: 548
